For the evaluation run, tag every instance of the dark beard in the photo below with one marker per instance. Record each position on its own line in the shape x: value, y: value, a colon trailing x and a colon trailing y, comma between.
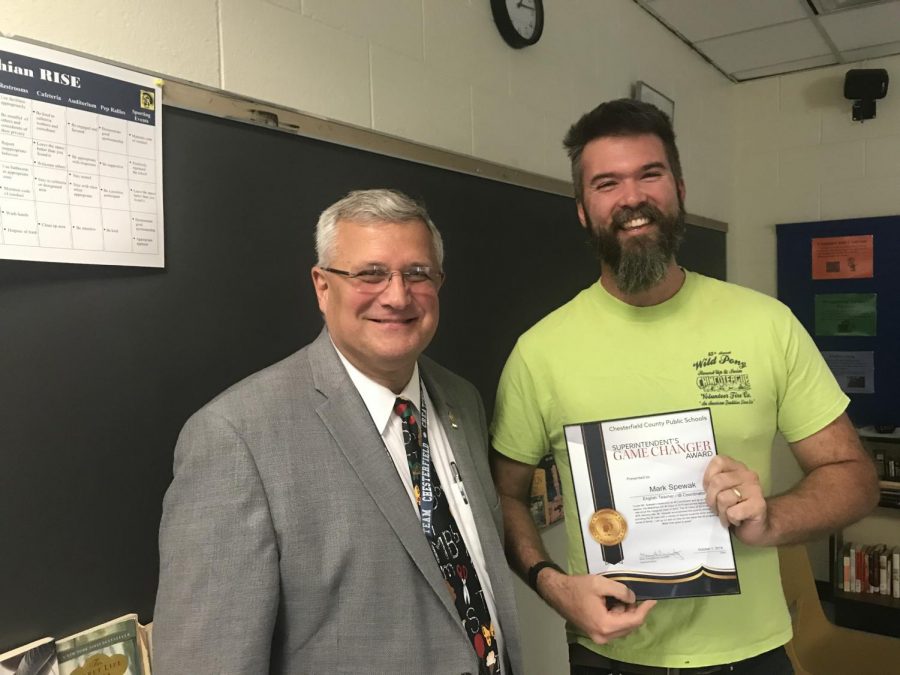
x: 644, y: 260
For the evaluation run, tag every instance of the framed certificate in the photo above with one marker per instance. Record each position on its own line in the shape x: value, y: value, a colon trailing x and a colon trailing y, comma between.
x: 642, y: 508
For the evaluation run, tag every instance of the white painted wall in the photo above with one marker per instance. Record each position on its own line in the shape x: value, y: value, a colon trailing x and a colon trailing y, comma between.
x: 432, y: 71
x: 799, y: 158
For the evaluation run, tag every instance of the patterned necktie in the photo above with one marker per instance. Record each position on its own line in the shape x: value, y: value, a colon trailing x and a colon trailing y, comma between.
x: 447, y: 544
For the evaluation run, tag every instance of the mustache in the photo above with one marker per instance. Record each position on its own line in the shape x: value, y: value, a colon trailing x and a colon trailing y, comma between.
x: 645, y: 210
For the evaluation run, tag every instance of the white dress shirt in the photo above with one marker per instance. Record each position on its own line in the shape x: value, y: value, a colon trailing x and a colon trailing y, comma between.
x: 380, y: 402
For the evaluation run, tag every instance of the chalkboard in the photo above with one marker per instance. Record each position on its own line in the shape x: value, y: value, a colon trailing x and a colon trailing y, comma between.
x: 101, y: 366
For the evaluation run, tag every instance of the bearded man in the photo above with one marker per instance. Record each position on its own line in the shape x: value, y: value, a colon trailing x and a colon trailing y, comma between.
x: 635, y: 343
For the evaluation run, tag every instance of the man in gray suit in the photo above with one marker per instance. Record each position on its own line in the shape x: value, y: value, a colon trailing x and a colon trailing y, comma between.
x: 334, y: 513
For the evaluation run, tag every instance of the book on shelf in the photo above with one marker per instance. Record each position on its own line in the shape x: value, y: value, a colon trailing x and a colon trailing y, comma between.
x: 869, y: 569
x: 879, y: 463
x: 875, y: 568
x: 35, y: 658
x: 890, y: 493
x: 862, y: 569
x: 895, y: 572
x: 887, y: 466
x: 890, y: 467
x: 852, y: 585
x: 868, y: 552
x: 845, y: 569
x: 885, y: 452
x: 546, y: 502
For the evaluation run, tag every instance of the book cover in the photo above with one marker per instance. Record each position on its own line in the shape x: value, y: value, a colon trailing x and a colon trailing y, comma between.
x: 546, y: 502
x: 35, y: 658
x: 112, y: 648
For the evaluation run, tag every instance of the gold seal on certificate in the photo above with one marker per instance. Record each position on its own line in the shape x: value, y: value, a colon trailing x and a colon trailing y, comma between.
x: 608, y: 527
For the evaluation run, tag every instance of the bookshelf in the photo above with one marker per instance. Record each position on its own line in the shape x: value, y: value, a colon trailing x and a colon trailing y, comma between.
x: 872, y: 611
x: 890, y: 494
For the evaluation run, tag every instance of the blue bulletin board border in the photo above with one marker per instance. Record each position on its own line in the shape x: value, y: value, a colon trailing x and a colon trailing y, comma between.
x: 797, y: 289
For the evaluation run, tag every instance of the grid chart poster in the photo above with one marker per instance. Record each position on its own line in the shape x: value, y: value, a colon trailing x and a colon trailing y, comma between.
x: 80, y: 160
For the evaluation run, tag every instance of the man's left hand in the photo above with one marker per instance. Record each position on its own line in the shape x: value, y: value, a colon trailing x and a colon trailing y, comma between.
x: 734, y: 494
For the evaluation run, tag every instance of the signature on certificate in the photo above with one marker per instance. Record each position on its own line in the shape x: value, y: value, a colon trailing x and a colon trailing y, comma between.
x: 661, y: 555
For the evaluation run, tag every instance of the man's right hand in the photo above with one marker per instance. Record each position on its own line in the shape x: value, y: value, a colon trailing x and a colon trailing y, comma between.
x: 582, y: 600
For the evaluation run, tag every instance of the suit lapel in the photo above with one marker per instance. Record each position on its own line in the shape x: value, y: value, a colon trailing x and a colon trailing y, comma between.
x: 348, y: 420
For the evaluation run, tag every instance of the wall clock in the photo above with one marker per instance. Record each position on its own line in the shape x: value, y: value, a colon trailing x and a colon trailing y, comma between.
x: 520, y: 22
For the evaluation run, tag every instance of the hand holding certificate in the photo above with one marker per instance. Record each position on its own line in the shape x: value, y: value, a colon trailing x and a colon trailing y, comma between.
x: 642, y: 508
x: 734, y: 493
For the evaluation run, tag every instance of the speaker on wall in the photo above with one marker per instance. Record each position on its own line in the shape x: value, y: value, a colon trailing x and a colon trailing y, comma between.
x: 863, y: 86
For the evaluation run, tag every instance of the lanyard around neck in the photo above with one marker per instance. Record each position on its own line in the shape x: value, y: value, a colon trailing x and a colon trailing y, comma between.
x: 426, y: 502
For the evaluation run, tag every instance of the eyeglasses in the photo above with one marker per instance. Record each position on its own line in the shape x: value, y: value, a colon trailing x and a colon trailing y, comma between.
x: 376, y: 279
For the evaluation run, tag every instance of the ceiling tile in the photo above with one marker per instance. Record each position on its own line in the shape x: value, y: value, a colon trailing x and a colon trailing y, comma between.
x: 765, y: 46
x: 704, y: 19
x: 825, y: 7
x: 876, y: 52
x: 746, y: 39
x: 781, y: 68
x: 863, y: 27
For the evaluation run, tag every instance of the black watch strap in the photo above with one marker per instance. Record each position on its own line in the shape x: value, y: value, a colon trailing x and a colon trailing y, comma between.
x: 535, y: 569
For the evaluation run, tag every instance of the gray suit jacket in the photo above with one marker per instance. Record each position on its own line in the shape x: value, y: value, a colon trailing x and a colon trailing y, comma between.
x: 288, y: 543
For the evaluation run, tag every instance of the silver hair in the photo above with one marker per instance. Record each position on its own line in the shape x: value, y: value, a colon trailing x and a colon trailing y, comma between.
x: 372, y: 206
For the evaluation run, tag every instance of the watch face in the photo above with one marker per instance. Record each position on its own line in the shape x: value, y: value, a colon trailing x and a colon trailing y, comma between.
x: 523, y: 14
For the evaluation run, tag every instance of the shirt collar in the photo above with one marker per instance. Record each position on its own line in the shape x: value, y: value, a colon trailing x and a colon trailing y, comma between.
x: 379, y: 399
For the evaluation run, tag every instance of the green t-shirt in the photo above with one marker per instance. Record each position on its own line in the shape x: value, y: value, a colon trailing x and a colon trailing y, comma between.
x: 716, y: 345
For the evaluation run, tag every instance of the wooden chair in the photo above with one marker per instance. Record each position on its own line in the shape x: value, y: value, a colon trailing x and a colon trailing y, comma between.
x: 819, y: 647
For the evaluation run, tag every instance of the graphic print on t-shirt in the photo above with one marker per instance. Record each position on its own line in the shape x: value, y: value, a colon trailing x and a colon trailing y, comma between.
x: 722, y: 379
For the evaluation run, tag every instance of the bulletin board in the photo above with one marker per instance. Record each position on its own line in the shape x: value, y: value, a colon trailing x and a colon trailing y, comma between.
x: 841, y: 278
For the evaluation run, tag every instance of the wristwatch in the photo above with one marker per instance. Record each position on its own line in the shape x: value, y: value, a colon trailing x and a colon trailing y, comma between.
x: 535, y: 569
